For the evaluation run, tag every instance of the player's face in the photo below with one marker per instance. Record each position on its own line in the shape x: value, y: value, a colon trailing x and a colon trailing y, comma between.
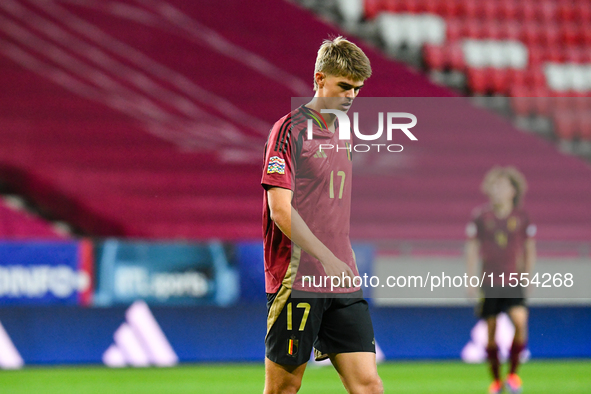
x: 502, y: 191
x: 339, y: 92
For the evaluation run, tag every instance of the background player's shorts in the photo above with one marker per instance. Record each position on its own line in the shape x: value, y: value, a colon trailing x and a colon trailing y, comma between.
x: 327, y: 324
x: 492, y: 306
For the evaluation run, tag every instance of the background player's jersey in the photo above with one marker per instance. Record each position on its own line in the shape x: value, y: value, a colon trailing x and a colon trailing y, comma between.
x: 502, y: 241
x: 321, y: 183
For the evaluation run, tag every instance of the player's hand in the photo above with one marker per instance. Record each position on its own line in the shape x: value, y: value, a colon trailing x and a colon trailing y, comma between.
x: 337, y: 268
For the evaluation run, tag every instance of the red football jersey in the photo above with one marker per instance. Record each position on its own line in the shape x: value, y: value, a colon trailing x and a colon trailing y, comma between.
x: 320, y: 180
x: 501, y: 240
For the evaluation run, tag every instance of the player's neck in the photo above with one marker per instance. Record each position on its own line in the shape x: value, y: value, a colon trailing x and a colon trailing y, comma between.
x: 502, y: 210
x: 317, y: 105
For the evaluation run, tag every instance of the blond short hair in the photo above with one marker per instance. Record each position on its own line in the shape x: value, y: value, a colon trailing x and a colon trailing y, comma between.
x: 514, y: 176
x: 341, y: 58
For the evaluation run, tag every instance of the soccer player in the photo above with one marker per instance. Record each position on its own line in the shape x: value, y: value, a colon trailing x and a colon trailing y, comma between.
x: 501, y: 233
x: 306, y: 214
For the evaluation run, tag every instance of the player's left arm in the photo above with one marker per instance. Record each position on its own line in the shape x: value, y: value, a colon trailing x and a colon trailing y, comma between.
x: 529, y: 250
x: 472, y: 253
x: 529, y: 257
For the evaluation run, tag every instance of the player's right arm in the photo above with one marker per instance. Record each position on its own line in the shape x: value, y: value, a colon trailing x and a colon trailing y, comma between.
x: 530, y: 255
x: 293, y: 226
x: 472, y: 251
x: 472, y: 256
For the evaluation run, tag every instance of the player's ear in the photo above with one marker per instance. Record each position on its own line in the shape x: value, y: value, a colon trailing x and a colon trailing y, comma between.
x: 320, y: 79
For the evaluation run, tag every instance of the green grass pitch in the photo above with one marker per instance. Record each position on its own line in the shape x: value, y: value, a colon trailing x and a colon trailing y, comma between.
x: 539, y: 377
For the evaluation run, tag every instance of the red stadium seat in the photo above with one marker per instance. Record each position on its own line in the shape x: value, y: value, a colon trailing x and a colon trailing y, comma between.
x: 578, y: 96
x: 517, y: 77
x: 499, y: 80
x: 522, y: 106
x: 567, y: 11
x: 585, y: 54
x: 575, y: 54
x: 372, y: 8
x: 565, y: 125
x: 531, y: 33
x: 526, y: 11
x: 536, y: 55
x: 492, y: 29
x: 542, y: 101
x: 456, y: 56
x: 434, y: 56
x: 432, y: 6
x: 547, y: 10
x: 473, y: 9
x: 550, y: 35
x: 479, y: 80
x: 490, y: 10
x: 511, y: 30
x: 411, y: 6
x: 451, y: 8
x: 473, y: 28
x: 583, y: 103
x: 415, y: 6
x: 583, y: 15
x: 554, y: 54
x: 563, y: 102
x: 584, y: 123
x: 570, y: 34
x: 454, y: 29
x: 520, y: 91
x: 537, y: 79
x: 521, y: 100
x: 586, y: 34
x: 508, y: 10
x: 390, y: 5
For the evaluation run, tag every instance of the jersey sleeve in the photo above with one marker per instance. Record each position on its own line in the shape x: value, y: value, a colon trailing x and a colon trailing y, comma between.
x: 473, y: 228
x: 278, y: 168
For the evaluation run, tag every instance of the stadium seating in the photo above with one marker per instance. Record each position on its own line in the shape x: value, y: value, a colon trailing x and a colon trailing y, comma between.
x: 17, y: 224
x: 549, y: 40
x: 153, y: 126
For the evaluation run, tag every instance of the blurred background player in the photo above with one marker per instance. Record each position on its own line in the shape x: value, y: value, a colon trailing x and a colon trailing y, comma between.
x: 501, y: 233
x: 298, y: 178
